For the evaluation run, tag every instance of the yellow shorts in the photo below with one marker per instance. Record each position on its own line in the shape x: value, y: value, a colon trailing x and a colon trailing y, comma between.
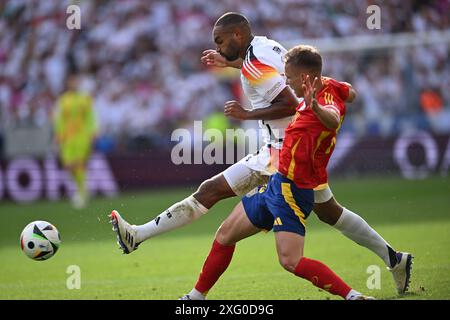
x: 75, y: 152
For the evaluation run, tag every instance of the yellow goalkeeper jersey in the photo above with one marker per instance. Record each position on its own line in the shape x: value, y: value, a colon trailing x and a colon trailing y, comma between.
x: 75, y: 118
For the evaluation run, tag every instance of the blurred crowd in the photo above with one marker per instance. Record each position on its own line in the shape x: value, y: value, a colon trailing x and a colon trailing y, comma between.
x: 140, y: 61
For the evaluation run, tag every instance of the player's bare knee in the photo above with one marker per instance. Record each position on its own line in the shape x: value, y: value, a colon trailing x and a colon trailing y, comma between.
x: 210, y: 191
x: 224, y: 234
x: 205, y: 188
x: 288, y: 262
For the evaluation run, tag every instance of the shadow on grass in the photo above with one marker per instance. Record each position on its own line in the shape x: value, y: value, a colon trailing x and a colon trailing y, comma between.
x: 405, y: 296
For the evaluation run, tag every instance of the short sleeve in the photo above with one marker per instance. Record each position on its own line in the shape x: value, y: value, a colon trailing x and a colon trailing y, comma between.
x: 343, y: 90
x: 261, y: 69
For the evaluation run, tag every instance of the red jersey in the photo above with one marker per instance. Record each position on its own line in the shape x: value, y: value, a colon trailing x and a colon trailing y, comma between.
x: 308, y: 144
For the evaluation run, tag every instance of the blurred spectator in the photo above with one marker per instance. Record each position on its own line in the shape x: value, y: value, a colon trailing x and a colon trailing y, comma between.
x: 139, y: 60
x: 431, y: 101
x: 433, y: 106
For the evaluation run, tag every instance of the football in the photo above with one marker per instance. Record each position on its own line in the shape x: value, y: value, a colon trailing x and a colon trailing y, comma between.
x: 40, y: 240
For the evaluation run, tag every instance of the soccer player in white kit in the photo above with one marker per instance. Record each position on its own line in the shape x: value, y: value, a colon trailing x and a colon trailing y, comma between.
x: 273, y: 104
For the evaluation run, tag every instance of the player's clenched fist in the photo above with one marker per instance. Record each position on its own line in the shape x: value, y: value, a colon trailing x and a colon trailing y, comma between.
x: 234, y: 110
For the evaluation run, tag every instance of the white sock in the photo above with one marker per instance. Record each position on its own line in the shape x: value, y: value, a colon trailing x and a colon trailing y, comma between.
x: 352, y: 293
x: 358, y: 230
x: 178, y: 215
x: 196, y: 295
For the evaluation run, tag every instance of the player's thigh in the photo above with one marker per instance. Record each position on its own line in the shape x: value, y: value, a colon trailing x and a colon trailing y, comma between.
x: 245, y: 175
x: 289, y: 205
x: 289, y: 248
x: 236, y: 227
x: 326, y: 207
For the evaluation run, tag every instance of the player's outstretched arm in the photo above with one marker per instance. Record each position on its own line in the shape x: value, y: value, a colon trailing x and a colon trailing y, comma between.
x: 282, y: 106
x: 211, y: 57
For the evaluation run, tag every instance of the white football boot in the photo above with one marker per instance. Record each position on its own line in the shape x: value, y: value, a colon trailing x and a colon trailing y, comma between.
x: 193, y: 295
x: 361, y: 297
x: 126, y: 234
x: 402, y: 271
x: 190, y: 297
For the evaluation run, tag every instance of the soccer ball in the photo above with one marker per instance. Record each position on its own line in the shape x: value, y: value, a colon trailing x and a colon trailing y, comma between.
x: 40, y: 240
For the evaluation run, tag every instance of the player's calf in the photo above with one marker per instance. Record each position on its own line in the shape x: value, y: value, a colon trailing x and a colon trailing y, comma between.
x: 213, y: 190
x: 290, y: 254
x: 187, y: 210
x: 176, y: 216
x: 324, y: 278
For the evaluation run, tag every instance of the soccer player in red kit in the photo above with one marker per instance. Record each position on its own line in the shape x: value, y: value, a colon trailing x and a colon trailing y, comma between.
x: 289, y: 197
x: 321, y: 132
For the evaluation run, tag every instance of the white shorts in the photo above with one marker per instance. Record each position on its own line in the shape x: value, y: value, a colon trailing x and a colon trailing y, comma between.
x: 254, y: 170
x: 249, y: 172
x: 322, y: 193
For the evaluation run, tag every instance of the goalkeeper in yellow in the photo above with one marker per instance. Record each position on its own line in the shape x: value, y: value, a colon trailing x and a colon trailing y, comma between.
x: 75, y: 128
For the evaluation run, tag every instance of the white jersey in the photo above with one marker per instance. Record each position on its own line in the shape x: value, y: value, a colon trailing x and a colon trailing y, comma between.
x: 262, y: 77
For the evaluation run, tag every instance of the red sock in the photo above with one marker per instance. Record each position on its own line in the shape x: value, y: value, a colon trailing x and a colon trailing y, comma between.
x: 215, y: 265
x: 321, y: 276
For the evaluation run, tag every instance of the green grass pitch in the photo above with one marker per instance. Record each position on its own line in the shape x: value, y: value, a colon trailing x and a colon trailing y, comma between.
x: 412, y: 216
